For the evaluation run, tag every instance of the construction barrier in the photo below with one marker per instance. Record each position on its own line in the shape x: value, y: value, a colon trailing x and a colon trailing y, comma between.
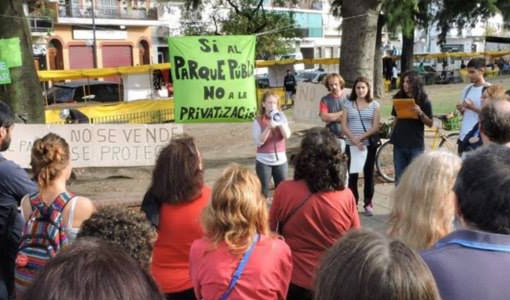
x: 135, y: 112
x: 58, y: 75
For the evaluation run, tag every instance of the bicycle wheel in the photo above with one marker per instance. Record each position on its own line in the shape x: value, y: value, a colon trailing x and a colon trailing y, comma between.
x: 449, y: 142
x: 384, y: 161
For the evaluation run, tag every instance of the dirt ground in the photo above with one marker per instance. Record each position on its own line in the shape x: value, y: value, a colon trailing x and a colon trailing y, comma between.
x: 219, y: 144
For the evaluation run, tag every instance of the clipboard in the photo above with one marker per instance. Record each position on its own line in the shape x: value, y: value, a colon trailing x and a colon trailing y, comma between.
x: 403, y: 108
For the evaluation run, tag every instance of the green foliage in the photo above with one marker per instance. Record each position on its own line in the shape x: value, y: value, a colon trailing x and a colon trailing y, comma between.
x: 461, y: 13
x: 275, y: 30
x: 278, y: 30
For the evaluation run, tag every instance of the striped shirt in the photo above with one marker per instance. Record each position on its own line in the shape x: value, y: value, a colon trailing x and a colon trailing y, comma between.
x: 353, y: 118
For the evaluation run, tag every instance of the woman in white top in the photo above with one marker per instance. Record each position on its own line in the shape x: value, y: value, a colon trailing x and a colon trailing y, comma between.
x: 51, y: 166
x: 360, y: 121
x: 270, y: 130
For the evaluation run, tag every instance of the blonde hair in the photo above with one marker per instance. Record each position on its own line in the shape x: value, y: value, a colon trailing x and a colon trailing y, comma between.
x: 267, y: 94
x: 50, y: 156
x: 496, y: 92
x: 333, y: 76
x: 237, y: 210
x: 421, y: 214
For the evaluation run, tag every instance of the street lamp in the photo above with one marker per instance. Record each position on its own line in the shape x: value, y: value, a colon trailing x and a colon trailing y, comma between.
x: 94, y: 45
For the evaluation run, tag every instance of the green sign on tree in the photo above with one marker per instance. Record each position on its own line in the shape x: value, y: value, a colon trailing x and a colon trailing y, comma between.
x: 5, y: 76
x: 10, y: 52
x: 213, y: 78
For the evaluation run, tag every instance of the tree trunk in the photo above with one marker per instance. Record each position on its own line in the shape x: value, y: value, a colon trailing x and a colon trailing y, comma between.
x: 24, y: 94
x: 359, y: 29
x: 406, y: 61
x: 378, y: 62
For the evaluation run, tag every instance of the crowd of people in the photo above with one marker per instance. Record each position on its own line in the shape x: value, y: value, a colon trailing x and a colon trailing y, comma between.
x: 449, y: 227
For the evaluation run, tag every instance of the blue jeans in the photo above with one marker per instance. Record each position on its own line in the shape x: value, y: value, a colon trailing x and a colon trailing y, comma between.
x: 265, y: 172
x: 402, y: 157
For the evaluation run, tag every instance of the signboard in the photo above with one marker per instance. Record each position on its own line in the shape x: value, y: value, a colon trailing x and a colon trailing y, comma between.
x: 100, y: 145
x: 10, y: 52
x: 5, y: 76
x: 80, y: 34
x: 213, y: 78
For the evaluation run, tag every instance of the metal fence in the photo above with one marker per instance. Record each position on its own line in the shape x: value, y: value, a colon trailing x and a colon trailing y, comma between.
x: 150, y: 117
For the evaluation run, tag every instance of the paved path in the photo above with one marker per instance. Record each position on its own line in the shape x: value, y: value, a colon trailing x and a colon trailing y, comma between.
x: 382, y: 208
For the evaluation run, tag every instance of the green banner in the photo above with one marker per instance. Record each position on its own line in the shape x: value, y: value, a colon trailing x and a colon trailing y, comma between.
x: 10, y: 52
x: 213, y: 78
x: 5, y: 76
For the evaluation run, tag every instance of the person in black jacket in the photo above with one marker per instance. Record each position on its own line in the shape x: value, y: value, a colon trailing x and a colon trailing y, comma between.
x: 290, y: 83
x: 14, y: 184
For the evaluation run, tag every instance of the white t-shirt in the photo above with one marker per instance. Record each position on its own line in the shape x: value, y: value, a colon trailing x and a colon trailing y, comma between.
x: 470, y: 117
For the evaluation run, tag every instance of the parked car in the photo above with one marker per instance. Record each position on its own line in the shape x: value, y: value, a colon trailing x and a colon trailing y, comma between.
x: 311, y: 76
x: 262, y: 81
x: 85, y: 91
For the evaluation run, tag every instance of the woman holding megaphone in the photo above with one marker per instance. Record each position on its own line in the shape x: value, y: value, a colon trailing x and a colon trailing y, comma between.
x: 270, y: 130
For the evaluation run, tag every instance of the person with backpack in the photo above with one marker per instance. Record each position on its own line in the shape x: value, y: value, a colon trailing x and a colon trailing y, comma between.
x: 238, y: 258
x: 53, y: 215
x: 471, y: 101
x: 14, y: 184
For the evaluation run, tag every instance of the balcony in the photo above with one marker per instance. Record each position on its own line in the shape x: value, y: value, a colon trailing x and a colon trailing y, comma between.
x: 40, y: 24
x: 107, y: 12
x: 299, y: 4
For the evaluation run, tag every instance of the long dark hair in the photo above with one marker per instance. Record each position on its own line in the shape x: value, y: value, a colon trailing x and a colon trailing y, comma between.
x: 417, y: 87
x: 177, y: 176
x: 354, y: 96
x: 320, y: 162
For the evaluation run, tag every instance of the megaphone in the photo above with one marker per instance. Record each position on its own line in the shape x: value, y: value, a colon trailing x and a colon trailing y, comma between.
x: 277, y: 117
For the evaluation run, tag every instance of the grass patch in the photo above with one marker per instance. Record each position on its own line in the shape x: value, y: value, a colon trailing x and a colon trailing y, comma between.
x: 443, y: 97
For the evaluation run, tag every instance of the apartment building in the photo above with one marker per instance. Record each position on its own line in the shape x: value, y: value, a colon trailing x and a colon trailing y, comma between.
x: 122, y: 30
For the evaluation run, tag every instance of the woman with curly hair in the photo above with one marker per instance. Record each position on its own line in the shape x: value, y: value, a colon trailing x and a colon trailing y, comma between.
x: 315, y: 209
x: 125, y: 227
x: 238, y: 258
x: 423, y: 202
x: 179, y: 194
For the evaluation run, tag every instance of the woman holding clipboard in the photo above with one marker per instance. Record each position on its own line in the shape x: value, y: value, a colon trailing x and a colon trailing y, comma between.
x: 360, y: 123
x: 408, y: 136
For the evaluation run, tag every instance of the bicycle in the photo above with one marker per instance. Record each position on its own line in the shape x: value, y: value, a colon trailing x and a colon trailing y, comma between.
x: 442, y: 139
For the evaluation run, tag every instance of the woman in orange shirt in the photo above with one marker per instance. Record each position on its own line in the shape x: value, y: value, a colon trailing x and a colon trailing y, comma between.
x: 179, y: 194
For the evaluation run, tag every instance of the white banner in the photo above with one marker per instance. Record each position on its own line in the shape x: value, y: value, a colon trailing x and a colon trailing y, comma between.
x: 97, y: 145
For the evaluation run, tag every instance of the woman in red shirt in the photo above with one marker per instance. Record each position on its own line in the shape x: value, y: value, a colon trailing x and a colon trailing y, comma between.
x: 179, y: 194
x: 236, y: 236
x: 315, y: 209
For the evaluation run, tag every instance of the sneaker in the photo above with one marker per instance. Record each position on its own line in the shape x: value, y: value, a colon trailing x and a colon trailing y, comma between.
x: 369, y: 211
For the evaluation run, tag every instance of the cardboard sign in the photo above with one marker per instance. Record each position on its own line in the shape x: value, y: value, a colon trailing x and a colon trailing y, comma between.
x: 10, y: 52
x: 99, y: 145
x: 404, y: 108
x: 5, y: 75
x: 213, y: 78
